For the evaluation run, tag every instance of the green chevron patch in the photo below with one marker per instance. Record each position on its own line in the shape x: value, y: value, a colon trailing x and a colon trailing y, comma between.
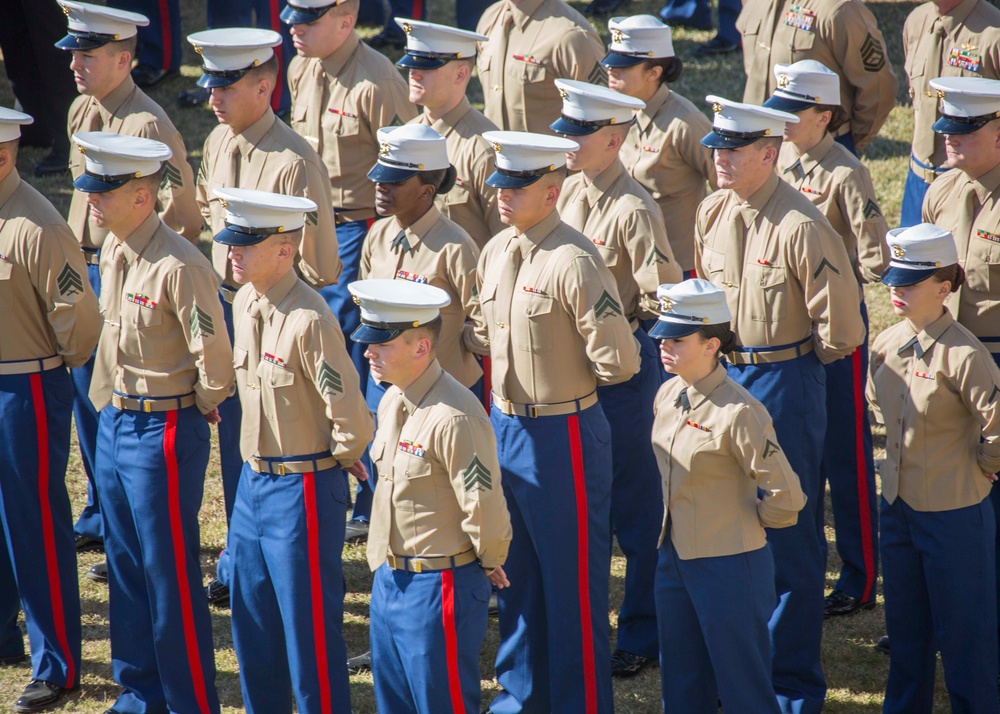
x: 477, y: 477
x: 330, y: 380
x: 475, y: 291
x: 993, y: 394
x: 656, y: 258
x: 770, y: 449
x: 171, y: 177
x: 312, y: 218
x: 69, y: 281
x: 598, y: 75
x: 824, y: 264
x: 606, y: 306
x: 201, y: 323
x: 872, y: 210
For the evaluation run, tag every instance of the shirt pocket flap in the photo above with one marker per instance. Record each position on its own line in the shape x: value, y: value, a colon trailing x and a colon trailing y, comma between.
x: 239, y: 357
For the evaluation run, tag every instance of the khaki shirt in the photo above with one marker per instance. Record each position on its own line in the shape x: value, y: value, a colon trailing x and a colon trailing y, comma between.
x: 797, y: 279
x: 443, y: 255
x: 268, y: 156
x: 977, y: 303
x: 839, y: 185
x: 626, y: 226
x: 564, y: 330
x: 470, y: 203
x: 173, y: 336
x: 712, y: 460
x: 970, y: 47
x: 302, y: 371
x: 841, y: 34
x: 48, y: 306
x: 338, y: 105
x: 128, y: 110
x: 438, y: 474
x: 936, y: 397
x: 547, y: 40
x: 663, y: 152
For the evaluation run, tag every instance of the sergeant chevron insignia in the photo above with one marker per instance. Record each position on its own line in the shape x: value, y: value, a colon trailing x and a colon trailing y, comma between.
x: 330, y: 380
x: 871, y: 210
x: 201, y: 323
x: 824, y: 264
x: 171, y: 177
x: 606, y: 306
x: 312, y: 218
x: 770, y: 449
x: 872, y: 54
x: 69, y: 281
x: 598, y: 75
x: 656, y: 257
x: 993, y: 394
x: 477, y: 477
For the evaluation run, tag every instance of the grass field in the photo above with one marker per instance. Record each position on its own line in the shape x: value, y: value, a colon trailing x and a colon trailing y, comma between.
x: 856, y: 674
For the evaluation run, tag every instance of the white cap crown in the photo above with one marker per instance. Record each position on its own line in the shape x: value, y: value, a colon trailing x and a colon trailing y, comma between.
x: 109, y: 22
x: 740, y: 118
x: 968, y: 96
x: 416, y: 147
x: 594, y: 103
x: 398, y: 302
x: 233, y: 49
x: 527, y: 151
x: 118, y: 155
x: 641, y: 36
x: 263, y: 211
x: 431, y: 39
x: 924, y: 246
x: 693, y: 302
x: 11, y: 122
x: 807, y: 81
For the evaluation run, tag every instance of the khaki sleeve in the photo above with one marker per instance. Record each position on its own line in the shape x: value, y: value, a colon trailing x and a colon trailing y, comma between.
x: 859, y: 204
x: 201, y: 195
x: 462, y: 270
x: 979, y: 385
x: 194, y: 292
x: 319, y: 260
x: 59, y: 277
x: 695, y: 154
x: 478, y: 339
x: 875, y: 359
x: 468, y: 448
x: 328, y: 366
x: 591, y: 296
x: 387, y: 103
x: 578, y: 56
x: 484, y: 167
x: 755, y: 445
x: 859, y: 47
x: 819, y: 259
x: 365, y: 261
x: 933, y: 206
x: 178, y: 207
x: 294, y: 74
x: 653, y: 262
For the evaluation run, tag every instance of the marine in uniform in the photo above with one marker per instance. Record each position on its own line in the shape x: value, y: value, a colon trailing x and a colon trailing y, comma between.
x: 251, y: 148
x: 556, y: 329
x: 966, y: 202
x: 717, y: 452
x: 440, y: 527
x: 417, y: 243
x: 663, y: 150
x: 50, y: 321
x: 626, y: 227
x: 795, y: 307
x: 343, y: 92
x: 102, y: 42
x: 842, y: 35
x: 837, y: 183
x: 946, y: 38
x: 936, y: 388
x: 304, y: 422
x: 163, y: 367
x: 531, y: 43
x: 440, y: 61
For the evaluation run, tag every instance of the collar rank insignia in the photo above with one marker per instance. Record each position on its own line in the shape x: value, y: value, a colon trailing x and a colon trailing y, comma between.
x: 273, y: 359
x: 923, y: 375
x: 141, y: 300
x: 698, y: 426
x: 988, y: 236
x: 965, y: 58
x: 800, y: 17
x: 412, y: 277
x: 409, y: 447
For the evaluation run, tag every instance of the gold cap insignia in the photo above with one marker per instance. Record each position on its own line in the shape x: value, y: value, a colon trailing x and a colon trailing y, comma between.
x: 281, y: 229
x: 407, y: 28
x: 384, y: 149
x: 716, y: 107
x: 666, y: 305
x: 616, y: 35
x: 898, y: 251
x: 563, y: 93
x: 197, y: 49
x: 65, y: 10
x: 416, y: 324
x: 224, y: 202
x: 940, y: 94
x: 81, y: 149
x: 497, y: 148
x: 783, y: 80
x: 138, y: 174
x: 356, y: 299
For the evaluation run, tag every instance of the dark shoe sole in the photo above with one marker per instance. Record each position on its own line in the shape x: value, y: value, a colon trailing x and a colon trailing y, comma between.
x: 96, y: 576
x: 843, y: 612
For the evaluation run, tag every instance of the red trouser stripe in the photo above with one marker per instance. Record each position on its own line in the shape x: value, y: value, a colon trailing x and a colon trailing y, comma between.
x: 279, y: 82
x: 418, y: 9
x: 487, y: 384
x: 180, y: 559
x: 583, y: 566
x: 861, y: 467
x: 316, y: 591
x: 48, y: 532
x: 165, y: 35
x: 451, y: 640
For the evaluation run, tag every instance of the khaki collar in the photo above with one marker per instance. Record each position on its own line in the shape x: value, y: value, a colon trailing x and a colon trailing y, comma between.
x: 334, y: 62
x: 812, y: 158
x: 702, y: 389
x: 269, y: 301
x: 415, y: 393
x: 644, y: 117
x: 600, y: 185
x: 535, y: 235
x: 137, y: 241
x: 8, y: 186
x: 115, y: 99
x: 248, y: 139
x: 445, y: 124
x: 755, y: 204
x: 523, y: 11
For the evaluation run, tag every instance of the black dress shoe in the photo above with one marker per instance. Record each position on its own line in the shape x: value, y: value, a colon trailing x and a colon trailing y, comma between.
x: 602, y: 7
x: 99, y: 573
x: 14, y: 659
x: 839, y: 603
x: 493, y: 608
x: 217, y: 593
x: 361, y: 663
x: 86, y: 544
x: 145, y: 76
x: 716, y: 46
x: 626, y: 664
x: 387, y: 40
x: 53, y: 163
x: 356, y: 531
x: 194, y: 97
x: 39, y: 696
x: 882, y: 646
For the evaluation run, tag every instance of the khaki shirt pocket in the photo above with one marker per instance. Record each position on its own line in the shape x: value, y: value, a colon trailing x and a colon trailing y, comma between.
x: 457, y: 197
x: 419, y: 494
x: 277, y: 392
x: 765, y: 285
x: 487, y: 301
x: 609, y: 254
x: 713, y: 263
x: 532, y: 73
x: 377, y: 453
x: 6, y: 284
x: 982, y: 266
x: 239, y: 357
x: 800, y: 45
x: 533, y: 333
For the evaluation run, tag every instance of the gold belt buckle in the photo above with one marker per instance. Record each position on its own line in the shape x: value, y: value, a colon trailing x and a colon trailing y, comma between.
x: 147, y: 406
x: 417, y: 566
x: 281, y: 468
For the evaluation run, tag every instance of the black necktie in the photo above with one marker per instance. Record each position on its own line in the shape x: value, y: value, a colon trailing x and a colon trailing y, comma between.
x: 682, y: 400
x: 915, y: 344
x: 400, y: 240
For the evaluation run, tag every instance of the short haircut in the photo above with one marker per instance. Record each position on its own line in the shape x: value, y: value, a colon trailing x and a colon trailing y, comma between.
x: 129, y: 44
x: 556, y: 177
x: 151, y: 182
x: 430, y: 330
x: 348, y: 7
x: 766, y: 141
x: 11, y: 146
x: 265, y: 70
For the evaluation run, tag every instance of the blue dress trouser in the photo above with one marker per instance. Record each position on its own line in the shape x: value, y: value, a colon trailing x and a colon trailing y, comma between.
x: 636, y: 496
x: 696, y: 13
x: 159, y: 43
x: 37, y: 554
x: 794, y: 393
x: 553, y: 656
x: 849, y: 468
x: 89, y: 522
x: 151, y: 476
x: 350, y: 241
x: 426, y: 632
x: 713, y: 615
x: 287, y: 592
x: 940, y: 595
x: 914, y: 191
